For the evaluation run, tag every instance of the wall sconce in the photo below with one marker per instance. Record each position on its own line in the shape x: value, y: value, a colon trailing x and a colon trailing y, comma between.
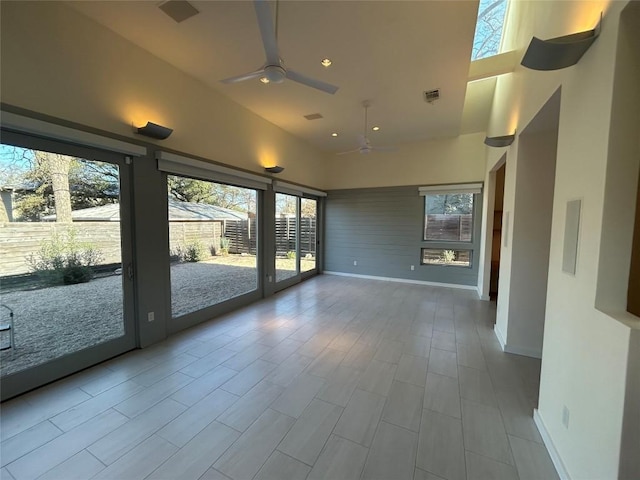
x: 153, y: 130
x: 503, y: 141
x: 560, y: 52
x: 275, y: 169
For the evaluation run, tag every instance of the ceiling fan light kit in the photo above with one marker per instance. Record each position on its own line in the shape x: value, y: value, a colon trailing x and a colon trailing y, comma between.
x: 274, y: 70
x: 274, y: 74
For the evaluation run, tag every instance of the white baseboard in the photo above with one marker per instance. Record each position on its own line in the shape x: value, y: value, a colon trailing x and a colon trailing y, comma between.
x: 524, y: 351
x: 500, y: 337
x: 551, y: 448
x: 404, y: 280
x: 481, y: 296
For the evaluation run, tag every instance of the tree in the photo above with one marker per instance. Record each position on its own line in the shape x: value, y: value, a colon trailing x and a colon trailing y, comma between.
x: 200, y: 191
x: 285, y: 204
x: 48, y: 183
x: 56, y: 168
x: 450, y: 204
x: 189, y: 190
x: 489, y: 27
x: 308, y: 208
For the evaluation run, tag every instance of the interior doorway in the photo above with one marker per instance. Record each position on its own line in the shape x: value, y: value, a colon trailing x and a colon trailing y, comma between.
x: 496, y: 239
x: 529, y: 242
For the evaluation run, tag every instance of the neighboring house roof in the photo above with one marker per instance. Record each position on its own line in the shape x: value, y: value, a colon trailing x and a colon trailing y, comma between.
x: 187, y: 211
x: 18, y: 188
x: 178, y: 212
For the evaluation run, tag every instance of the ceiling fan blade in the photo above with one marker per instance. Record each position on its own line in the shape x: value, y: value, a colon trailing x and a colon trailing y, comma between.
x: 384, y: 149
x: 267, y: 31
x: 246, y: 76
x: 350, y: 151
x: 311, y: 82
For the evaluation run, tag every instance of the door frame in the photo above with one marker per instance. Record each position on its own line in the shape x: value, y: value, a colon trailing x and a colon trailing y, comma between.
x: 38, y: 375
x: 299, y: 276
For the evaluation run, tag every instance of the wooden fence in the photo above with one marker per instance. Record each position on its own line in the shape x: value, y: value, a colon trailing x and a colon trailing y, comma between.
x: 449, y: 227
x: 19, y: 240
x: 286, y: 230
x: 242, y: 235
x: 207, y: 234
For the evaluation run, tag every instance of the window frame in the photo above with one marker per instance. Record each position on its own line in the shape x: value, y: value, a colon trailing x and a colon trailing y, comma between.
x: 424, y: 220
x: 468, y: 245
x: 422, y: 262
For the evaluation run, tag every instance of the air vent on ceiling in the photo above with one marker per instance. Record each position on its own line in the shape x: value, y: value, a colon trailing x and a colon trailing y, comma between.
x: 179, y: 10
x: 431, y: 96
x: 313, y: 116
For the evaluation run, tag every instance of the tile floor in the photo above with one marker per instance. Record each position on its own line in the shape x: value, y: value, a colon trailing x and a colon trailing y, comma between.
x: 337, y: 378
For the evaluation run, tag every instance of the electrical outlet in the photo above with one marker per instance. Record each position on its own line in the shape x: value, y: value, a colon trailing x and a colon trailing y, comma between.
x: 355, y: 263
x: 151, y: 316
x: 565, y: 416
x: 413, y: 267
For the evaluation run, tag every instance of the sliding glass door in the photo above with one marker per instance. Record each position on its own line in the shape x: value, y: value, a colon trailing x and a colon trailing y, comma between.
x: 287, y: 238
x: 308, y: 235
x: 213, y: 246
x: 296, y: 238
x: 66, y: 273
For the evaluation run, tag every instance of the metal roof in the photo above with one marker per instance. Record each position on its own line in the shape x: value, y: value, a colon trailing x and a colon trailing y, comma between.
x: 178, y: 212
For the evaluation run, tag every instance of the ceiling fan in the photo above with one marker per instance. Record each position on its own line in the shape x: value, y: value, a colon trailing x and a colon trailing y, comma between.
x: 274, y: 70
x: 365, y: 144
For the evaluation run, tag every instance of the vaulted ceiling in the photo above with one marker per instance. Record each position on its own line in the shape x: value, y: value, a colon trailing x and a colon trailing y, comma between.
x: 387, y: 52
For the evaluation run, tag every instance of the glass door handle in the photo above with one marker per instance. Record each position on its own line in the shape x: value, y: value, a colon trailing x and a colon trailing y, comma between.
x: 130, y: 271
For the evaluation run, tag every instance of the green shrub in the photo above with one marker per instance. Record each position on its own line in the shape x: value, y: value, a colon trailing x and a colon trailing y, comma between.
x: 176, y: 254
x: 64, y: 260
x: 448, y: 256
x: 225, y: 243
x: 76, y: 274
x: 194, y: 252
x: 291, y: 255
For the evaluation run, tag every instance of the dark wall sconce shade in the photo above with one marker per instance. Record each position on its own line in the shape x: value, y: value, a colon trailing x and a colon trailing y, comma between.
x: 275, y: 169
x: 503, y: 141
x: 560, y: 52
x: 154, y: 130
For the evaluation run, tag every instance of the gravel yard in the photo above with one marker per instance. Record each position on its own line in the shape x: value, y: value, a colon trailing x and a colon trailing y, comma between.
x: 51, y: 322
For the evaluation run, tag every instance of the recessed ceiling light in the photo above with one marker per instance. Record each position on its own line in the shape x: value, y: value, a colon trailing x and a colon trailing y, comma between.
x: 375, y: 129
x: 264, y: 79
x: 326, y: 62
x: 334, y: 134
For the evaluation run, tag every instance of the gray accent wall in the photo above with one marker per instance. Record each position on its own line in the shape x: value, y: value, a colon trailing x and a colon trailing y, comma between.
x: 382, y: 229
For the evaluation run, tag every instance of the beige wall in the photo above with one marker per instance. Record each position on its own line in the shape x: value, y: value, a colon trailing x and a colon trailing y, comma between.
x: 58, y: 62
x: 586, y: 352
x: 72, y: 68
x: 448, y: 160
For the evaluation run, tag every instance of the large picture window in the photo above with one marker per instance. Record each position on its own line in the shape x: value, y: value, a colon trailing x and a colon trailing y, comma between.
x: 448, y: 217
x: 213, y: 233
x: 212, y: 242
x: 449, y: 224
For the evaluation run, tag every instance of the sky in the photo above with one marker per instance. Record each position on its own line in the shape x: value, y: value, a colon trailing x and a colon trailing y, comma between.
x: 489, y: 27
